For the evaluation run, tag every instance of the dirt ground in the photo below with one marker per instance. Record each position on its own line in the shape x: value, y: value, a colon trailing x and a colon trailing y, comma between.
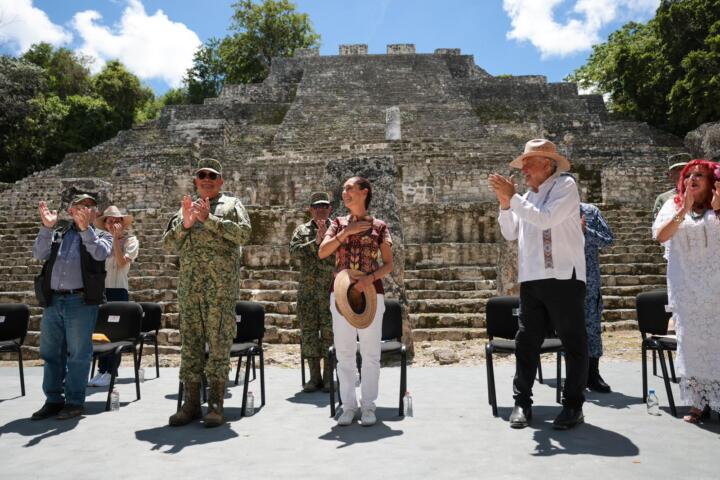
x: 618, y: 345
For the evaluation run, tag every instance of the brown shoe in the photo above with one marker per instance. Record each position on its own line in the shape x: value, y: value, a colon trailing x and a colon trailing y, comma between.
x: 215, y: 416
x: 190, y: 409
x: 70, y: 411
x: 48, y: 410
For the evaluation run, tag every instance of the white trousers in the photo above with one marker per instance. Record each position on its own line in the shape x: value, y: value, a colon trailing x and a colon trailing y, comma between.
x: 345, y: 338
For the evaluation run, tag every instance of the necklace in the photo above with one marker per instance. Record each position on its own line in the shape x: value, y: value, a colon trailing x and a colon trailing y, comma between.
x: 697, y: 216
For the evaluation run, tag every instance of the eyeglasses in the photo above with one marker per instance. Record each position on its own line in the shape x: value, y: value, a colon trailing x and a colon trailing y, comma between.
x: 202, y: 174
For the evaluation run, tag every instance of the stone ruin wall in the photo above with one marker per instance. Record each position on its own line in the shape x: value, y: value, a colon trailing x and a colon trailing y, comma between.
x: 457, y: 124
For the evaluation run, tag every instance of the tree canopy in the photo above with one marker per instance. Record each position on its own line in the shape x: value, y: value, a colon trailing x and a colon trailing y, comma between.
x: 258, y: 32
x: 665, y: 72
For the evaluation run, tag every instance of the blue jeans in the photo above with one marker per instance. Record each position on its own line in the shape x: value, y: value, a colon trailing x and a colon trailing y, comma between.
x: 66, y: 347
x: 112, y: 295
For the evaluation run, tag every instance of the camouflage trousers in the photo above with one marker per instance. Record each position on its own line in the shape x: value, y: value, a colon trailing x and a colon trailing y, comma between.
x: 206, y: 320
x: 315, y: 323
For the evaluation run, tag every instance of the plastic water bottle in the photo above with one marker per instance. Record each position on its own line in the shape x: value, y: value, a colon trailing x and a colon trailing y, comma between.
x: 250, y: 406
x: 115, y: 401
x: 653, y: 405
x: 407, y: 404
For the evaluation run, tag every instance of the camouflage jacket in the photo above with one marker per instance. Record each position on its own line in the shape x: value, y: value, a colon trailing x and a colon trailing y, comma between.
x: 314, y: 273
x: 210, y: 252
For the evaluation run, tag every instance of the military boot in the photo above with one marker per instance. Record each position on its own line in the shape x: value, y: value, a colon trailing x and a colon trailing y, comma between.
x: 215, y: 417
x: 190, y: 409
x: 315, y: 377
x: 327, y: 376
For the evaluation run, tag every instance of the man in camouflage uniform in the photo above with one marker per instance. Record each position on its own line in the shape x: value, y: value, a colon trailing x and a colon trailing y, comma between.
x: 314, y: 290
x: 207, y: 233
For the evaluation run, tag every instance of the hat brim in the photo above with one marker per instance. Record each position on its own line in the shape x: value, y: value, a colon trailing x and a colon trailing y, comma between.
x: 320, y: 202
x: 343, y: 282
x: 563, y: 164
x: 100, y: 221
x: 677, y: 165
x: 207, y: 169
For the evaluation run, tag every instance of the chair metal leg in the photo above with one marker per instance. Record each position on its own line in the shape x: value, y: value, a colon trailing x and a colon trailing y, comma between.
x: 403, y: 380
x: 539, y: 370
x: 180, y: 395
x: 92, y: 367
x: 237, y: 369
x: 262, y: 376
x: 203, y: 386
x: 136, y: 362
x: 643, y: 361
x: 248, y: 361
x: 302, y: 367
x: 331, y: 365
x: 140, y: 351
x: 492, y: 397
x: 253, y: 367
x: 666, y: 380
x: 113, y: 375
x: 558, y: 383
x: 22, y: 373
x: 672, y: 366
x: 654, y: 362
x: 157, y: 357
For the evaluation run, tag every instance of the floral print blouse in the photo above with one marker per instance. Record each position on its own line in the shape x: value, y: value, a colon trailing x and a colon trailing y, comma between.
x: 361, y: 251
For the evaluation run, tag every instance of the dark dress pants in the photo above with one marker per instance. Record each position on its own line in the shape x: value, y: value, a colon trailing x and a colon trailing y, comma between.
x: 547, y: 305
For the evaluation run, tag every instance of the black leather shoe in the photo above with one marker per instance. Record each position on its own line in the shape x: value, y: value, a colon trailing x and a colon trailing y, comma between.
x: 48, y: 410
x: 597, y: 384
x: 70, y: 411
x: 520, y: 417
x: 568, y: 418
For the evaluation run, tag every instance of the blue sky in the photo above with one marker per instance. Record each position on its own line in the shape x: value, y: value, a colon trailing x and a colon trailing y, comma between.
x: 156, y: 38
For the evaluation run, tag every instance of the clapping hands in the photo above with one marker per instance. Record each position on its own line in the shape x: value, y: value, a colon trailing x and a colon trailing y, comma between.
x: 191, y: 211
x: 715, y: 201
x: 47, y: 216
x: 504, y: 188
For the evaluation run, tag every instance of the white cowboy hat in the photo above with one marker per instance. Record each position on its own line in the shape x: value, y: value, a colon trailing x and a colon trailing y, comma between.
x: 113, y: 211
x: 343, y: 282
x: 540, y: 147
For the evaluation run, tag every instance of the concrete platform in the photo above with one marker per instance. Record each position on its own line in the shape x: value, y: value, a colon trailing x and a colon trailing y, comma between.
x: 452, y: 435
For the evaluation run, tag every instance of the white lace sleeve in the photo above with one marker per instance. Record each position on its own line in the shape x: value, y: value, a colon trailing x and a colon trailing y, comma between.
x: 666, y: 212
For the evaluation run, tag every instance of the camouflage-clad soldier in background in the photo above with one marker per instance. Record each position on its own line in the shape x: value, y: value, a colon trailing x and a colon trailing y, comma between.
x: 313, y: 290
x: 207, y: 233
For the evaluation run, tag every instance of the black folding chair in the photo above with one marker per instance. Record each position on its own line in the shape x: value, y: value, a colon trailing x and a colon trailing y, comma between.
x: 391, y: 344
x: 120, y: 322
x: 152, y: 314
x: 502, y: 325
x: 250, y: 321
x: 653, y: 325
x: 14, y: 318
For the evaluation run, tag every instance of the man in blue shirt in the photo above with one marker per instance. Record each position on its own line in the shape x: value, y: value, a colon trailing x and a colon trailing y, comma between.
x: 70, y: 287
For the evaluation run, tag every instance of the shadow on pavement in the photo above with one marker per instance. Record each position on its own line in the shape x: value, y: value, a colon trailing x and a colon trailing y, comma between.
x: 39, y: 430
x: 356, y: 433
x: 615, y: 400
x: 174, y: 439
x: 319, y: 399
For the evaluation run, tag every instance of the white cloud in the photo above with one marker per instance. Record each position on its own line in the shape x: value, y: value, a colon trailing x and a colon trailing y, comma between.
x: 534, y: 21
x: 151, y: 46
x: 21, y: 25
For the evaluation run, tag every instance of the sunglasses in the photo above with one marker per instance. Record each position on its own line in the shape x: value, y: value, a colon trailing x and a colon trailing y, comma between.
x: 202, y: 174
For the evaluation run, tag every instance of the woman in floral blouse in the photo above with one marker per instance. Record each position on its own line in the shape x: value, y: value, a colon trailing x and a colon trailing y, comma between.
x: 358, y: 241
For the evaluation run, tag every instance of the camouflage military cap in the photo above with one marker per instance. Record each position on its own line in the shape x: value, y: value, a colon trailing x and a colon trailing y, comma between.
x: 209, y: 164
x: 79, y: 198
x: 319, y: 198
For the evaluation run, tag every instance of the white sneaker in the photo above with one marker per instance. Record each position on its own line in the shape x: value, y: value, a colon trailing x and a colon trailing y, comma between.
x: 368, y: 417
x: 93, y: 381
x: 347, y: 417
x: 103, y: 381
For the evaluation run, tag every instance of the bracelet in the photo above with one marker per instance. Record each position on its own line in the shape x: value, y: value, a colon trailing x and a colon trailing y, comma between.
x: 678, y: 218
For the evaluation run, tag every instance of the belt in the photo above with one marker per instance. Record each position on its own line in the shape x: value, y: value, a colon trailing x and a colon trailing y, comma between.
x: 68, y: 292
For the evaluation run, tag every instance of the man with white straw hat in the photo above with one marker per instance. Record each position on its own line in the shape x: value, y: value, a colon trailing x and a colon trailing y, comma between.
x: 551, y: 270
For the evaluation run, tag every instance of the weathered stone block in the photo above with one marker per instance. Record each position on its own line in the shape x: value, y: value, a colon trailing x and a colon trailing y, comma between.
x: 401, y: 49
x: 353, y: 49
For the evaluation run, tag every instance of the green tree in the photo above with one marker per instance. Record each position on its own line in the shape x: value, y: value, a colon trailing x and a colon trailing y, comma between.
x: 66, y: 72
x: 664, y: 72
x: 259, y: 32
x: 123, y: 92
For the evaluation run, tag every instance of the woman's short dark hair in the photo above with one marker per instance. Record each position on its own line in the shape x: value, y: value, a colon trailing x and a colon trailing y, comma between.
x: 364, y: 184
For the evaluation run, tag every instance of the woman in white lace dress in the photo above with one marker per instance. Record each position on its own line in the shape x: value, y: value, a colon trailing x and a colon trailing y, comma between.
x: 689, y: 226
